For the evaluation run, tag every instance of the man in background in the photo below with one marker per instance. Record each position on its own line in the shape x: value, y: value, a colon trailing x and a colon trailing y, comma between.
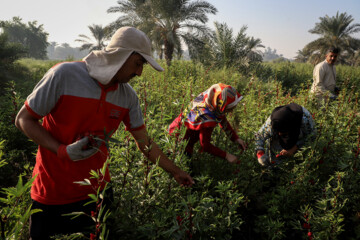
x: 324, y: 77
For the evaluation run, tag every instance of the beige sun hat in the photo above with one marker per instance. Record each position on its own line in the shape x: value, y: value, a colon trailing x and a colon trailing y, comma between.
x: 104, y: 64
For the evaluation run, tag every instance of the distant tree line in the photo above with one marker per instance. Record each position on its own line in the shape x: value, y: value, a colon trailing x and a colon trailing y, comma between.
x: 65, y: 51
x: 31, y: 36
x: 32, y: 39
x: 174, y: 24
x: 272, y: 55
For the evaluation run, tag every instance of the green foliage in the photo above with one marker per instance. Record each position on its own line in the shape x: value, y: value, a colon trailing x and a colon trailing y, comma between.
x: 34, y: 70
x: 315, y: 193
x: 18, y: 150
x: 9, y: 52
x: 101, y: 214
x: 14, y: 85
x: 31, y: 35
x: 15, y: 206
x: 157, y: 208
x: 292, y: 76
x: 348, y: 77
x: 224, y: 50
x: 272, y: 199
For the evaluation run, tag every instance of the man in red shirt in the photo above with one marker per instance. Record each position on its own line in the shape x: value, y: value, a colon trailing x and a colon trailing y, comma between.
x: 77, y: 100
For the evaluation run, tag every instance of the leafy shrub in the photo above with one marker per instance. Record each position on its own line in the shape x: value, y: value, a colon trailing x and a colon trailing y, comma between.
x: 313, y: 195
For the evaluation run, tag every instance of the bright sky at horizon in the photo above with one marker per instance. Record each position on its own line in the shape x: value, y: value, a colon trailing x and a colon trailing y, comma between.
x: 280, y: 24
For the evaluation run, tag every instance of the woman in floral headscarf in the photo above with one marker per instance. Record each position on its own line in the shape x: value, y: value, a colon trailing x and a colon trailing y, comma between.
x: 205, y: 112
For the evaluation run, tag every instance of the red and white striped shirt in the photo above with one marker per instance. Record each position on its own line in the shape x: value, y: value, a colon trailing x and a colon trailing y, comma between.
x: 72, y: 104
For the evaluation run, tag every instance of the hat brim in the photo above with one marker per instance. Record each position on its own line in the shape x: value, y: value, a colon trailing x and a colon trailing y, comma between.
x: 152, y: 62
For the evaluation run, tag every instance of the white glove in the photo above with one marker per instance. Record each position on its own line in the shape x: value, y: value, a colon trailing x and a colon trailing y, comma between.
x: 78, y: 150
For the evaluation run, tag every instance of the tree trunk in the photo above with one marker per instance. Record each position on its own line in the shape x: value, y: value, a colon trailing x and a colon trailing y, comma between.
x: 169, y: 50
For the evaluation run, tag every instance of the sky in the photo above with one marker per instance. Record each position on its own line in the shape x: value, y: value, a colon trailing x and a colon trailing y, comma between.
x: 280, y: 24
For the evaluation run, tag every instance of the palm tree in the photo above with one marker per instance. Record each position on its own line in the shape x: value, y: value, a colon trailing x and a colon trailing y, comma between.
x: 99, y: 33
x: 226, y: 50
x: 335, y: 32
x: 302, y: 56
x: 168, y: 23
x: 253, y: 53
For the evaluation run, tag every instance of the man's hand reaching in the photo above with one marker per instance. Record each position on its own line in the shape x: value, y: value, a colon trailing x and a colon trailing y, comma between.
x: 183, y: 179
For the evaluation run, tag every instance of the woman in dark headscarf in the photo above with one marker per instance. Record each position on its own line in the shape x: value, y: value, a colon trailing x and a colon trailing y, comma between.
x: 285, y: 131
x: 205, y: 112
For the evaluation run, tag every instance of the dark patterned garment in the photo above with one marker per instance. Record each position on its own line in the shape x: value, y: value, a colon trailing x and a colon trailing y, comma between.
x: 265, y: 137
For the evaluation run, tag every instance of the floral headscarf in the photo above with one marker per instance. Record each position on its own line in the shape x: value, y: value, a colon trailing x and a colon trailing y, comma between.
x: 208, y: 108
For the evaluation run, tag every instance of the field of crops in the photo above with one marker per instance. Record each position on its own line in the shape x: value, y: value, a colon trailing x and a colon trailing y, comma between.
x: 313, y: 195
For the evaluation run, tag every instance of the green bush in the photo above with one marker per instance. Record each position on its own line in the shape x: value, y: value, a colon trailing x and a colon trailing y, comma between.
x: 313, y: 195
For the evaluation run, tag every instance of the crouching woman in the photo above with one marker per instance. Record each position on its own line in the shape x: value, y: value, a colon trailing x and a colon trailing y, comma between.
x: 283, y: 133
x: 205, y: 112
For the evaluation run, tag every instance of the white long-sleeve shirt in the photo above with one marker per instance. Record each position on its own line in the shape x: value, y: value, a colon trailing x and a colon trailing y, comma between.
x: 324, y: 81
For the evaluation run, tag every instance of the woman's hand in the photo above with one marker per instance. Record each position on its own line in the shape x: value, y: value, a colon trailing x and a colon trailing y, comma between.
x: 290, y: 152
